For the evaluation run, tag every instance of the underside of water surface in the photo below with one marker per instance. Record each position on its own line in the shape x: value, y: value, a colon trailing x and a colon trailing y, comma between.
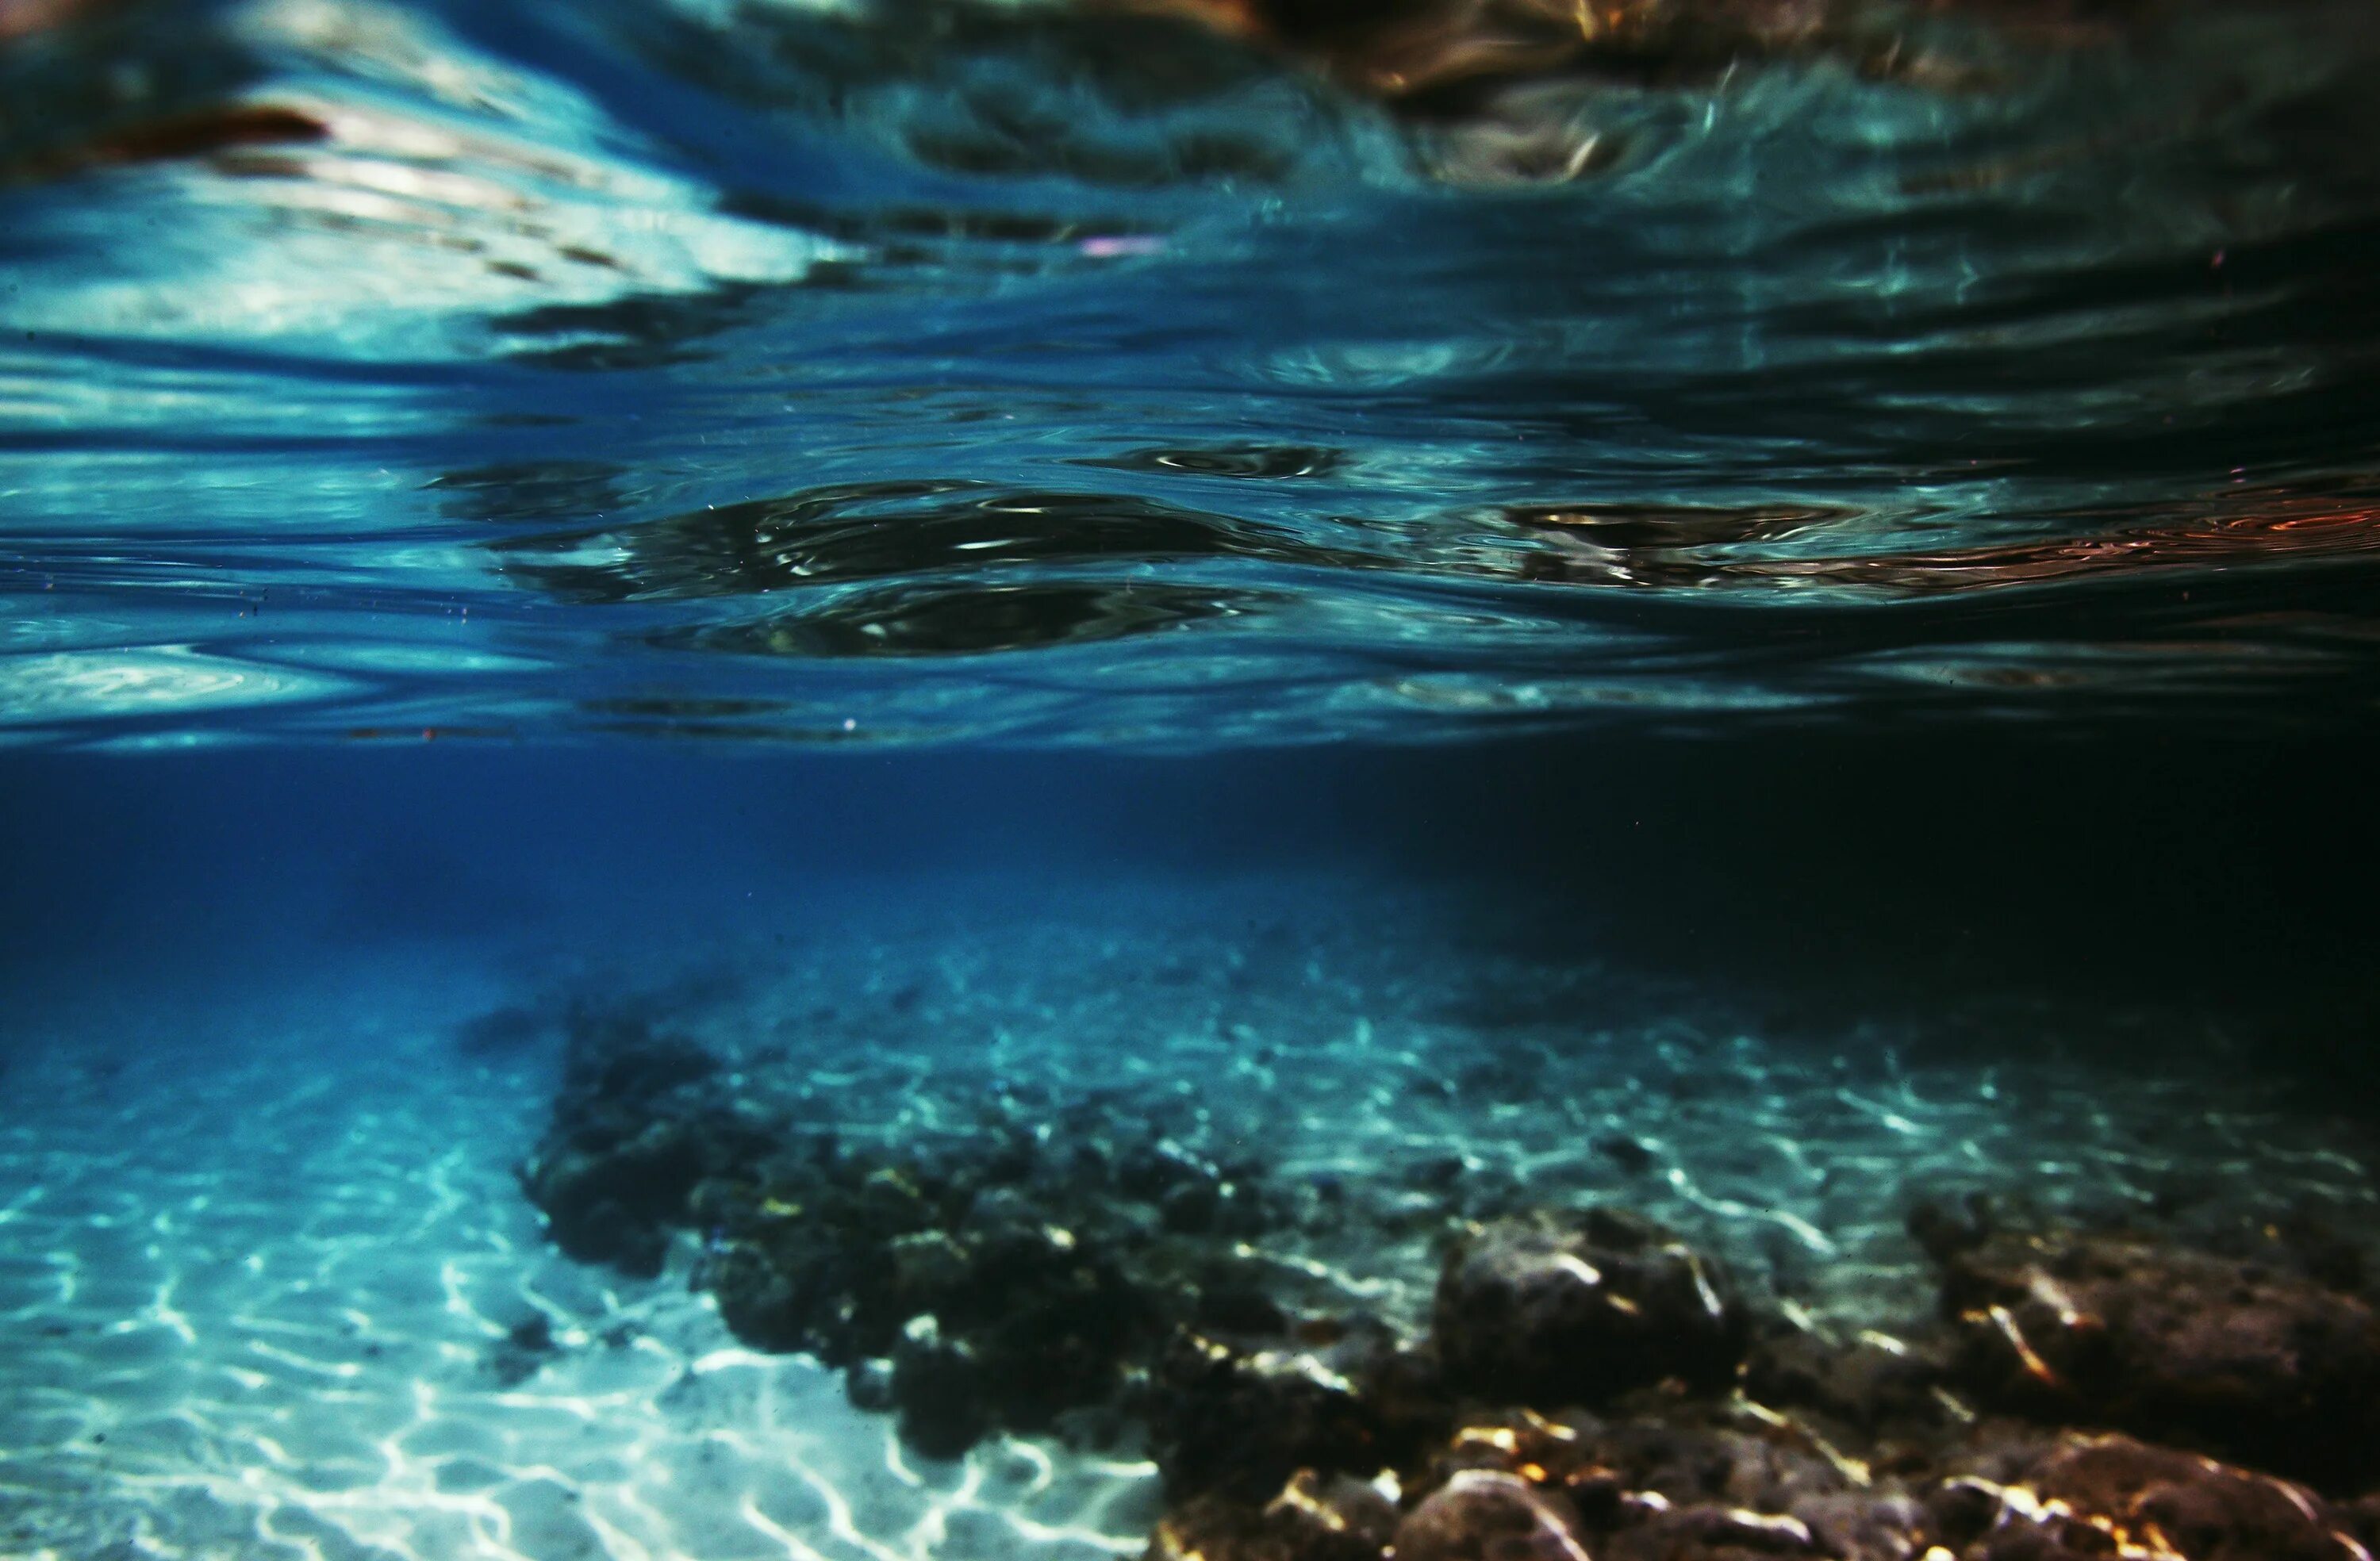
x: 1087, y: 373
x: 1482, y: 781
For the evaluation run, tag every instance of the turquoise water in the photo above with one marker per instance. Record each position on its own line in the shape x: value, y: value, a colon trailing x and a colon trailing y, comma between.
x: 980, y: 781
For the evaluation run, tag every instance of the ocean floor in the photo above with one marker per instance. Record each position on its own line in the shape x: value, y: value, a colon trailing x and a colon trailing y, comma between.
x: 271, y: 1287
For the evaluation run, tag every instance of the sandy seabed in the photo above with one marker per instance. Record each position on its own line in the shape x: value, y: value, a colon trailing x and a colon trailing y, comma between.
x: 255, y: 1305
x: 258, y: 1296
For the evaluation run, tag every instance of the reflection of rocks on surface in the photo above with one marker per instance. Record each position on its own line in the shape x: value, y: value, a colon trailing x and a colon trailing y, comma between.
x: 1511, y: 85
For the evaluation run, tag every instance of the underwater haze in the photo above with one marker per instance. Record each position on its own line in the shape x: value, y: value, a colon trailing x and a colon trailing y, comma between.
x: 1215, y: 780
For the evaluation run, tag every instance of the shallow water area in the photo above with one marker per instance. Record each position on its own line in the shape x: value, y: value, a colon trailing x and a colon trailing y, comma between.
x: 274, y: 1304
x: 1216, y: 780
x: 276, y: 1283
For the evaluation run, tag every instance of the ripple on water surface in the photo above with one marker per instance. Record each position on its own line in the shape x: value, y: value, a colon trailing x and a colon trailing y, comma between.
x: 922, y: 368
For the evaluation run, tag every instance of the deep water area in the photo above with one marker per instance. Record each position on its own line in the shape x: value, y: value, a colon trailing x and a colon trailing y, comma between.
x: 1202, y: 779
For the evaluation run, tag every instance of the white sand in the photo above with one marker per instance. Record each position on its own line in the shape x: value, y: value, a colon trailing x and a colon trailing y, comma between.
x: 247, y: 1308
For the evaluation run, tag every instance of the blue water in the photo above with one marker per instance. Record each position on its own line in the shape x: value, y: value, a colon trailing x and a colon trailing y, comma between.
x: 1233, y: 655
x: 954, y: 374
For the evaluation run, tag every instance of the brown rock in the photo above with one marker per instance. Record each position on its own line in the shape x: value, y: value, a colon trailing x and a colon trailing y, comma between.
x: 1553, y: 1311
x: 1483, y: 1515
x: 2181, y: 1345
x: 1315, y: 1518
x: 2107, y: 1497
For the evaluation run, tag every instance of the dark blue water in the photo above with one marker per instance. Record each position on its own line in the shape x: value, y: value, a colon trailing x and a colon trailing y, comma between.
x: 963, y: 780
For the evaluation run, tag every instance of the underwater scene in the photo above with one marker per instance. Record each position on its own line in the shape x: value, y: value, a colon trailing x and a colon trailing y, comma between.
x: 1205, y: 779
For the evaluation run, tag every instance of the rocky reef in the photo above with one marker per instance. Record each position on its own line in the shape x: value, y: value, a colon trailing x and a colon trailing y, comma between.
x: 640, y: 1120
x: 1864, y: 1452
x: 1002, y: 1279
x: 1582, y: 1384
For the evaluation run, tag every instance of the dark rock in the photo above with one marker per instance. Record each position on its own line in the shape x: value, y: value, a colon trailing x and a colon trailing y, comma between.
x: 1011, y: 1158
x: 1864, y: 1384
x: 526, y: 1346
x: 1715, y: 1533
x: 1506, y: 1076
x: 1439, y: 1171
x: 795, y: 1287
x: 1551, y: 1311
x: 2236, y: 1357
x: 2363, y: 1518
x: 612, y: 1200
x: 1314, y: 1517
x: 1239, y: 1421
x: 1942, y: 1234
x: 1673, y: 1481
x: 1054, y: 1331
x: 868, y: 1384
x: 1962, y: 1510
x: 1485, y: 1515
x: 618, y: 1059
x: 502, y: 1034
x: 1236, y: 1304
x: 938, y: 1391
x: 1149, y: 1171
x: 637, y: 1126
x: 2105, y: 1497
x: 2304, y: 1242
x: 1629, y: 1153
x: 1673, y: 1450
x: 1866, y: 1526
x: 1191, y: 1206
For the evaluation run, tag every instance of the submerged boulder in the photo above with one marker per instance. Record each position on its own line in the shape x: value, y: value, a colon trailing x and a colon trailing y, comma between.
x: 1485, y: 1515
x: 1313, y: 1518
x: 2104, y: 1496
x: 1551, y: 1309
x: 1871, y: 1384
x: 1240, y: 1418
x: 939, y: 1391
x: 1662, y: 1479
x: 2119, y: 1331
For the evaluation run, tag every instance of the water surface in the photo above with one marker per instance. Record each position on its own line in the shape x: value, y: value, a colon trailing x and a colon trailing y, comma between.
x: 920, y: 372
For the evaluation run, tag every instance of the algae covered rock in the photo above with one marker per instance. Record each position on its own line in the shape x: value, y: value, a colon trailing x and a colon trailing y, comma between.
x: 1549, y: 1310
